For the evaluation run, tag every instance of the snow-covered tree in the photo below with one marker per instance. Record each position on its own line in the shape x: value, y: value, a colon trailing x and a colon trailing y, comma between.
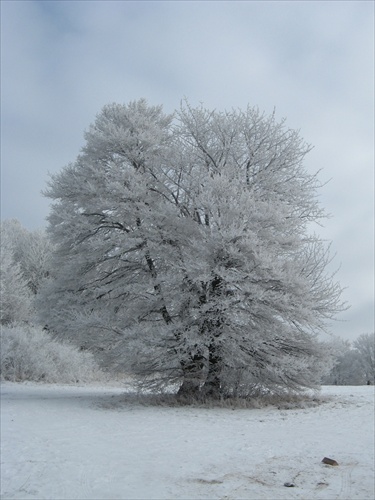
x: 365, y: 347
x: 25, y: 261
x: 15, y: 296
x: 347, y: 366
x: 183, y: 251
x: 31, y: 250
x: 354, y: 362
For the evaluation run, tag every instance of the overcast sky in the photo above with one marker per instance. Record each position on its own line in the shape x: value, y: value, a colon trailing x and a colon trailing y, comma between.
x: 311, y: 61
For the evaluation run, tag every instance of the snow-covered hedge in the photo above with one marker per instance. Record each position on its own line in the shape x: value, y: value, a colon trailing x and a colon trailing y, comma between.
x: 29, y: 353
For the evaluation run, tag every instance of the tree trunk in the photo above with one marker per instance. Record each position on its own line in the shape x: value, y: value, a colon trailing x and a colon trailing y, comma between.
x: 192, y: 372
x: 212, y: 385
x: 189, y: 388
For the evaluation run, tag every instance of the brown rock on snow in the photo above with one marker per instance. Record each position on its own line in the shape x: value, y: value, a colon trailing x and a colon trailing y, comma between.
x: 329, y: 461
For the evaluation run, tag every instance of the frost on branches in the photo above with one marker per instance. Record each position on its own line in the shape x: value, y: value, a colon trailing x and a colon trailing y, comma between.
x: 24, y: 267
x: 183, y: 252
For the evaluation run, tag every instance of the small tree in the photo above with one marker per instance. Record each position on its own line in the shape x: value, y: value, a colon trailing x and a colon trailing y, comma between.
x: 15, y: 296
x: 365, y: 347
x: 183, y: 251
x: 31, y: 251
x: 25, y: 265
x: 347, y: 367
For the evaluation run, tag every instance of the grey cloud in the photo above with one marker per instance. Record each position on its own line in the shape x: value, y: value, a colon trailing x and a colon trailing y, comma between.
x: 313, y: 61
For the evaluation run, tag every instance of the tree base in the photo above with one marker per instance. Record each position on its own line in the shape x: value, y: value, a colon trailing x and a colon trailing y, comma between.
x: 189, y: 389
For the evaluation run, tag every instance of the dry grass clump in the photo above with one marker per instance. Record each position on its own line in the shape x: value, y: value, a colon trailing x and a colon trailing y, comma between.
x: 282, y: 402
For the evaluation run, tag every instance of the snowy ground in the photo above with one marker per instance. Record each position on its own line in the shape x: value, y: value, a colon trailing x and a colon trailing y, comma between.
x: 64, y: 442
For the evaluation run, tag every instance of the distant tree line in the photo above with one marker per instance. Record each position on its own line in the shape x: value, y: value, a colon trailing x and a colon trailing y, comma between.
x: 354, y: 362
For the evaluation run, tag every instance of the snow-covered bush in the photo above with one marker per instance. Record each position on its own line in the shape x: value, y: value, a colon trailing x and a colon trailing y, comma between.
x: 28, y: 353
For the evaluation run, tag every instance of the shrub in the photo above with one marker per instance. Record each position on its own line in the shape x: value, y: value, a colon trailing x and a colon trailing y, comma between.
x: 29, y: 353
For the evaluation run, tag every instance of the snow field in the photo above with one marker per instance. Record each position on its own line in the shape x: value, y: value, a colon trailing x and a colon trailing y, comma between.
x: 68, y: 442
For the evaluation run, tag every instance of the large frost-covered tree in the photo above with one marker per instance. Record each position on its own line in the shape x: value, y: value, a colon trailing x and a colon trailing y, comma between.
x: 183, y: 251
